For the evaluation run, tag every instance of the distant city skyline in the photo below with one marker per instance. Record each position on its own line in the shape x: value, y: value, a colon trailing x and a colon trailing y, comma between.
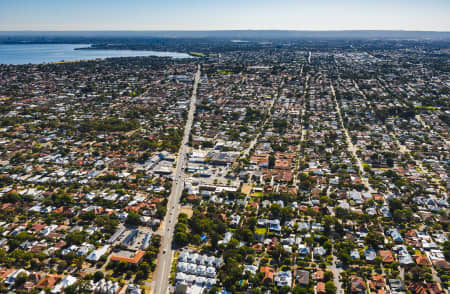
x: 432, y: 15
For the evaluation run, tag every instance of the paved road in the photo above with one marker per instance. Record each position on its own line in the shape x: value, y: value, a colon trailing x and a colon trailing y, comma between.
x: 303, y: 130
x: 261, y: 129
x: 336, y: 275
x: 403, y: 149
x: 162, y: 274
x: 426, y: 126
x: 351, y: 148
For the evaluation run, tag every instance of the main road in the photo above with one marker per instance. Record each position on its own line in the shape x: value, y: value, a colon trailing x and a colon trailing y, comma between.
x: 161, y: 278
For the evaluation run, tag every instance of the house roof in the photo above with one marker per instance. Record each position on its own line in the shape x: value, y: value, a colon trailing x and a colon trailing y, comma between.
x: 268, y: 272
x: 320, y: 287
x: 421, y: 259
x: 135, y: 259
x: 319, y: 275
x: 377, y: 281
x: 417, y: 288
x: 49, y: 281
x: 302, y: 276
x: 386, y: 256
x: 4, y: 272
x: 358, y: 284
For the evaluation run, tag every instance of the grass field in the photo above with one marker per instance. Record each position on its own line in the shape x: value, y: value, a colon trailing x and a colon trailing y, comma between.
x: 425, y: 107
x: 260, y: 231
x: 222, y: 72
x: 199, y: 54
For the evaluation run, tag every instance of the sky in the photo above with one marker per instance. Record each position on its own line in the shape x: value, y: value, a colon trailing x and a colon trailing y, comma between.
x: 61, y: 15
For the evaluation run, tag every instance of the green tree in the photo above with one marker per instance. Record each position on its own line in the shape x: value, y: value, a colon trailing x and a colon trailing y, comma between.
x: 330, y: 288
x: 271, y: 161
x: 75, y: 238
x: 140, y: 275
x: 181, y: 238
x: 374, y: 239
x: 447, y: 250
x: 395, y: 204
x: 80, y: 287
x: 299, y: 290
x: 20, y: 280
x: 133, y: 219
x: 98, y: 276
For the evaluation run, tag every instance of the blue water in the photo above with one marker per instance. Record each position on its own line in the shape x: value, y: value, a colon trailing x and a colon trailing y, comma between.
x: 40, y: 53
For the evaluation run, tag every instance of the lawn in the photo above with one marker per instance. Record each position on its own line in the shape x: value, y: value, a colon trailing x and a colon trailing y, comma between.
x: 199, y: 54
x: 425, y: 107
x: 260, y: 231
x: 222, y: 72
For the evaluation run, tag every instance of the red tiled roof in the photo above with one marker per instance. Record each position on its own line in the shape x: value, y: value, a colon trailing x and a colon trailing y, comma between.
x: 421, y: 259
x: 386, y: 256
x: 358, y: 284
x: 135, y: 259
x: 268, y: 272
x: 37, y: 227
x: 4, y: 272
x: 320, y: 287
x: 49, y: 281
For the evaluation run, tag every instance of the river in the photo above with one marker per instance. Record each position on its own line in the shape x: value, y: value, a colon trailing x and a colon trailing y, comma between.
x: 41, y: 53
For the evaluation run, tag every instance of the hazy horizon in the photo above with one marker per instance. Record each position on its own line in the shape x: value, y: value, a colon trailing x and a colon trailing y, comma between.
x: 202, y: 15
x: 227, y: 30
